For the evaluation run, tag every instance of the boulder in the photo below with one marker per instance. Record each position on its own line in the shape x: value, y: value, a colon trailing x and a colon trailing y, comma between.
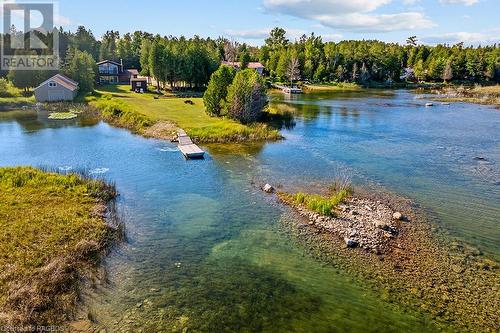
x: 397, y: 216
x: 350, y: 243
x: 268, y: 188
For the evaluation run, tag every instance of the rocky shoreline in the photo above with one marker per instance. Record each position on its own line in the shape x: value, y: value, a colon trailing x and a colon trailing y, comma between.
x: 363, y: 223
x: 386, y: 242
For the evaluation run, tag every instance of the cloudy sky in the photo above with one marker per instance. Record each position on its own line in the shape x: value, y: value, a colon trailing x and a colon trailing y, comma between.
x: 433, y: 21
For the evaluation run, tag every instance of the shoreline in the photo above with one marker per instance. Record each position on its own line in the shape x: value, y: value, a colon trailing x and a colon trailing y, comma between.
x: 487, y: 95
x: 403, y: 258
x: 73, y: 225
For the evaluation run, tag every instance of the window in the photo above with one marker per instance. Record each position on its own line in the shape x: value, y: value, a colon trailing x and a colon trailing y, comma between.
x: 52, y: 84
x: 139, y: 84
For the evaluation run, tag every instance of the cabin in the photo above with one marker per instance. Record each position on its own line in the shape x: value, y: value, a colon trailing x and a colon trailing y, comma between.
x: 56, y: 89
x: 139, y: 84
x: 257, y: 66
x: 112, y: 72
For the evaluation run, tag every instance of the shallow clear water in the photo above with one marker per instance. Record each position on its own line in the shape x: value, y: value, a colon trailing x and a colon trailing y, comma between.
x: 205, y: 249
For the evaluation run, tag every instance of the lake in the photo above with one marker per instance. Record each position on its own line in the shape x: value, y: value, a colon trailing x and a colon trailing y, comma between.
x: 205, y: 247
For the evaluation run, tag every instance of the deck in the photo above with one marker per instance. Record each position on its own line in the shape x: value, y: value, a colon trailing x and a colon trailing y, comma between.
x: 187, y: 147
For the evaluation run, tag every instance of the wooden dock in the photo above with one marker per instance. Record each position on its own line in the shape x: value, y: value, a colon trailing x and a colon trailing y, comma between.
x: 187, y: 147
x: 288, y: 90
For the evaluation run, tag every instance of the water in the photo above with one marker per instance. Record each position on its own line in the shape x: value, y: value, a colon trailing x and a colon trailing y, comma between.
x: 205, y: 249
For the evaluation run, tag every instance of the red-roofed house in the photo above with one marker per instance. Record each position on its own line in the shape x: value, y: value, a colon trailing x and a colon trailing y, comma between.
x: 56, y: 89
x: 257, y: 66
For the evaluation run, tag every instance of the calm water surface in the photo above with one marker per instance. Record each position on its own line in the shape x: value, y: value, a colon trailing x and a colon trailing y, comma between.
x: 205, y: 249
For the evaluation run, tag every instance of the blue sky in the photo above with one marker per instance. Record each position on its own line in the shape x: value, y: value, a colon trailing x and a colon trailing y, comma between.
x: 433, y: 21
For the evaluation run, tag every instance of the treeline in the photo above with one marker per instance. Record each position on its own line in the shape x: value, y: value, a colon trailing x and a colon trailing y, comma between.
x: 183, y: 62
x: 311, y: 59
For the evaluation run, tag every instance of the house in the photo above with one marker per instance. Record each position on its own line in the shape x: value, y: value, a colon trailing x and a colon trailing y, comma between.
x: 111, y: 72
x: 56, y: 89
x: 257, y: 66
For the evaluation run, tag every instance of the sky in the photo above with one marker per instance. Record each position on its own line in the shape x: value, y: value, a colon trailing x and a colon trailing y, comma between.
x: 432, y: 21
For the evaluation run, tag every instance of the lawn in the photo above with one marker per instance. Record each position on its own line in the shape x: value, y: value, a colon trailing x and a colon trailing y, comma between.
x: 173, y: 110
x: 51, y: 225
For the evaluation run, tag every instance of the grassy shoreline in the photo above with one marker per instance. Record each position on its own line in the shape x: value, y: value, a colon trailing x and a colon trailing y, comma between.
x: 157, y: 116
x: 53, y: 229
x: 335, y: 86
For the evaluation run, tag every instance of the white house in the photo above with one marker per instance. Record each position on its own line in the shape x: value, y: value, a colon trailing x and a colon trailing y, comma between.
x: 56, y: 89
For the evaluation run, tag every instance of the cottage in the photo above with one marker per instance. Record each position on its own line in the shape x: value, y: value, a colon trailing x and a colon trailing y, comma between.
x: 111, y: 72
x: 257, y: 66
x: 56, y: 89
x: 139, y: 84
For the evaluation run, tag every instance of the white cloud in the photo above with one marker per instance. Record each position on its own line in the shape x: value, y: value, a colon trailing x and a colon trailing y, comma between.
x: 378, y: 22
x: 353, y: 15
x: 248, y: 34
x: 291, y: 34
x: 410, y: 2
x: 460, y: 2
x: 468, y: 38
x: 308, y: 8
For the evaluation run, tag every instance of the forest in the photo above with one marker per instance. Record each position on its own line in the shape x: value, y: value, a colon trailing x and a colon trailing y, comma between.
x: 189, y: 62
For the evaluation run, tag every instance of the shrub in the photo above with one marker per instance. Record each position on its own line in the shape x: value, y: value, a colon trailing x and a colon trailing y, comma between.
x: 7, y: 89
x: 246, y: 98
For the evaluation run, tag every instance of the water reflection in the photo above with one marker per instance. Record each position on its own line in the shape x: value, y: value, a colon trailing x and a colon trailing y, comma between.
x: 33, y: 121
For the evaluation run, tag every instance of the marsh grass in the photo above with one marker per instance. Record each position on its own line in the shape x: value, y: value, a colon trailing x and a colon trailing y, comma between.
x: 321, y: 204
x: 52, y: 231
x: 488, y: 95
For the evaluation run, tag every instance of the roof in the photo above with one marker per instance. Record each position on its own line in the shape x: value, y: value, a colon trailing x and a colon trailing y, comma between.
x: 251, y: 65
x: 110, y: 61
x: 132, y: 71
x: 61, y: 80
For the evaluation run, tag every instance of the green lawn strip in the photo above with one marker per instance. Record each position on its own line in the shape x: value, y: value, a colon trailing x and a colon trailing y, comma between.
x: 51, y: 227
x: 139, y: 111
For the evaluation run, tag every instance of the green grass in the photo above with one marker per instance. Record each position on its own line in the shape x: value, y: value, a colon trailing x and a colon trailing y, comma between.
x: 139, y: 111
x: 50, y: 225
x: 332, y: 86
x: 324, y: 205
x: 12, y: 97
